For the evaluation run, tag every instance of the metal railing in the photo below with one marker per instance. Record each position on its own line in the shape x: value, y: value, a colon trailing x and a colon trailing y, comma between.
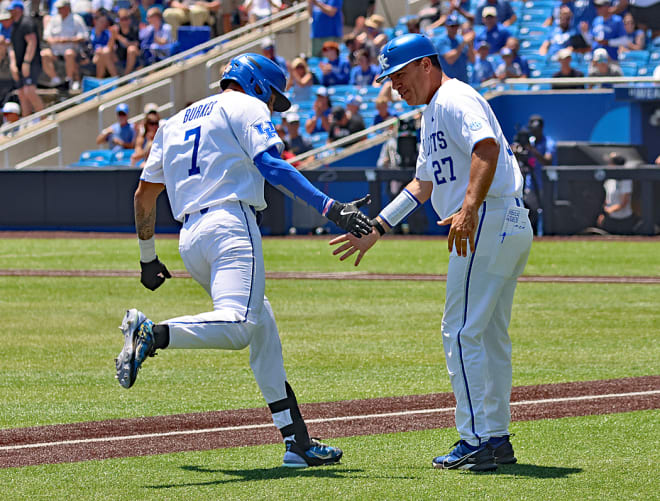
x: 495, y: 84
x: 30, y: 136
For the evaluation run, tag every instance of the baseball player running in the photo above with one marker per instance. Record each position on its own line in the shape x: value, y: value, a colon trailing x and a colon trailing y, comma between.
x: 212, y: 158
x: 467, y: 169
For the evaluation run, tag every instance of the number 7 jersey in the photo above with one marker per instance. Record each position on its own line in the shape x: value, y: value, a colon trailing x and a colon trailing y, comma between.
x: 204, y: 154
x: 455, y: 120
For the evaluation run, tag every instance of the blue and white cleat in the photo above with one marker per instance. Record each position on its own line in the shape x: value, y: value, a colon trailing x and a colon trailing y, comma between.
x: 138, y: 345
x: 467, y: 457
x: 316, y: 454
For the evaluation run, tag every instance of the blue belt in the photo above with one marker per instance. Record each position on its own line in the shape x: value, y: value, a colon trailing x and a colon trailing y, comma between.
x: 202, y: 211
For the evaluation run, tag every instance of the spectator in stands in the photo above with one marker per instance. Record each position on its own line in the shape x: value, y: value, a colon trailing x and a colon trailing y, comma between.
x: 327, y: 24
x: 25, y: 58
x: 645, y: 12
x: 121, y: 134
x: 492, y: 32
x: 617, y: 216
x: 11, y: 112
x: 146, y: 131
x: 261, y: 9
x: 143, y: 7
x: 606, y: 31
x: 382, y: 111
x: 455, y: 51
x: 127, y: 42
x: 193, y: 12
x: 513, y: 44
x: 508, y: 68
x: 456, y: 8
x: 297, y: 143
x: 65, y: 34
x: 429, y: 15
x: 602, y: 67
x: 503, y: 12
x: 5, y: 47
x: 352, y: 45
x: 268, y: 51
x: 584, y: 11
x: 564, y: 56
x: 101, y: 47
x: 364, y: 73
x: 562, y: 35
x: 482, y: 69
x: 553, y: 18
x: 340, y: 126
x: 353, y: 103
x: 335, y: 69
x: 373, y: 38
x: 320, y: 121
x: 301, y: 76
x: 413, y: 25
x: 635, y: 39
x: 227, y: 12
x: 156, y: 38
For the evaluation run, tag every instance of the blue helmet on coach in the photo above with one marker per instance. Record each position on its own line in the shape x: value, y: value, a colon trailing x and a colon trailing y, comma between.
x: 259, y: 77
x: 402, y: 50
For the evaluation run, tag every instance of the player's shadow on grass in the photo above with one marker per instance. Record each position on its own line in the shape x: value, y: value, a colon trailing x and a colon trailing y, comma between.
x: 536, y: 471
x: 256, y: 474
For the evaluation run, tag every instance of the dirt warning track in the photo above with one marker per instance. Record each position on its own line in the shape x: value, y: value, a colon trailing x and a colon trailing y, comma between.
x: 221, y: 429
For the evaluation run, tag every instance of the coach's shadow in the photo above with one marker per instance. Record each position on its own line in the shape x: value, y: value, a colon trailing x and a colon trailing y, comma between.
x: 256, y: 474
x: 536, y: 471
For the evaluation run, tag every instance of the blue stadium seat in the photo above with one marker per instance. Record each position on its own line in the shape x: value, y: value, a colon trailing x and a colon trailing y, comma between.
x: 122, y: 157
x: 637, y: 56
x: 90, y: 83
x: 629, y: 68
x: 94, y: 158
x: 189, y: 37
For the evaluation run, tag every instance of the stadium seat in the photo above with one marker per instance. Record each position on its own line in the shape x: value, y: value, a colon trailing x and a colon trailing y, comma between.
x: 636, y: 56
x: 94, y: 158
x: 122, y: 157
x: 629, y: 69
x: 91, y: 83
x: 189, y: 37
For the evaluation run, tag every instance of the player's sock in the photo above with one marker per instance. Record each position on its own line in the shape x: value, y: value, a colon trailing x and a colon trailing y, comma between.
x: 161, y: 336
x: 295, y: 427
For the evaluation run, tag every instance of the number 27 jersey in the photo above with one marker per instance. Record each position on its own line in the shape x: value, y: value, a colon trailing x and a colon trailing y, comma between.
x: 455, y: 120
x: 204, y: 154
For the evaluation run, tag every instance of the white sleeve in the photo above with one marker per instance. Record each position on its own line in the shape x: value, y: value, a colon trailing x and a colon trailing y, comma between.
x: 153, y: 167
x: 255, y: 130
x: 81, y: 27
x: 421, y: 171
x: 471, y: 123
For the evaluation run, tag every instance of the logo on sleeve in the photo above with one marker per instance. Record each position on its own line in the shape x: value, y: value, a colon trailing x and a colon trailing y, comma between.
x: 266, y: 129
x: 475, y: 125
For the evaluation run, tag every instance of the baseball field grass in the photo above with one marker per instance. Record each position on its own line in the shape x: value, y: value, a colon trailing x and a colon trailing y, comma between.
x: 342, y: 339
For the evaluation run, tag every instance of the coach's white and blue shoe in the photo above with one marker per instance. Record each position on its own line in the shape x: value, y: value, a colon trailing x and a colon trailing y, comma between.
x: 138, y: 345
x: 467, y: 457
x: 316, y: 454
x: 502, y: 449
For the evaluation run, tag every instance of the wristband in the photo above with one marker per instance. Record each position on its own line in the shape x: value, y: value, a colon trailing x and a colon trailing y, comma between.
x: 379, y: 227
x: 404, y: 203
x: 147, y: 249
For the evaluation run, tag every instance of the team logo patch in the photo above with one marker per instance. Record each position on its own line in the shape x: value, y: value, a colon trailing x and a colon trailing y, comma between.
x: 475, y: 125
x: 384, y: 63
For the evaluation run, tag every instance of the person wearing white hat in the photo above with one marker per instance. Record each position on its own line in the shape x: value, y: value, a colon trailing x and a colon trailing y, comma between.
x: 297, y: 143
x: 320, y: 121
x: 602, y: 67
x: 268, y: 50
x: 65, y: 34
x: 11, y: 112
x: 5, y: 33
x: 503, y: 11
x: 492, y: 32
x: 565, y: 56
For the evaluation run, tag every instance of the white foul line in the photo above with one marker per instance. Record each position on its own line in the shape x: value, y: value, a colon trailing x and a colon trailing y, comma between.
x: 318, y: 420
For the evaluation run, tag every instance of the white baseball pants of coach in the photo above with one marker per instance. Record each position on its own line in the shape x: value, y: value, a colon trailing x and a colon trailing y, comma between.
x: 480, y: 290
x: 222, y: 250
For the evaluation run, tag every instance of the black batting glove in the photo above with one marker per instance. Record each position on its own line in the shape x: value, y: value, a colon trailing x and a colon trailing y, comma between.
x: 349, y: 218
x: 153, y: 274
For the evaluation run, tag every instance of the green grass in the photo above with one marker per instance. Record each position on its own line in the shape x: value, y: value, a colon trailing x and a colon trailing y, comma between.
x: 342, y: 339
x: 391, y: 255
x: 588, y: 458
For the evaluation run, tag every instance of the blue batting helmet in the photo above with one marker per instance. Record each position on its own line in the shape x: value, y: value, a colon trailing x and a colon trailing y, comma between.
x: 403, y: 50
x: 259, y: 77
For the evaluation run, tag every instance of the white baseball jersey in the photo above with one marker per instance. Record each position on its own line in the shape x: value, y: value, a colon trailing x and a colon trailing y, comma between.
x: 210, y: 150
x: 456, y: 119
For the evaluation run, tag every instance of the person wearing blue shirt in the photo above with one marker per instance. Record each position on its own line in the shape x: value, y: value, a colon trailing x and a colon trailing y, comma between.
x: 542, y: 150
x: 268, y: 51
x: 561, y: 35
x: 584, y: 11
x: 504, y: 12
x: 383, y: 111
x: 121, y: 134
x: 493, y: 32
x: 455, y: 51
x: 364, y: 73
x: 327, y: 23
x: 482, y: 69
x: 335, y: 70
x: 513, y: 44
x: 607, y: 30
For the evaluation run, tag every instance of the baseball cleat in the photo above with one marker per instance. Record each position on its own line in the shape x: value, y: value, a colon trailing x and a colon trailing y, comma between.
x: 316, y: 454
x: 502, y: 449
x: 138, y: 345
x: 467, y: 457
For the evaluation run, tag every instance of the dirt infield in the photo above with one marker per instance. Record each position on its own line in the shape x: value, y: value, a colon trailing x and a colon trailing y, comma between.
x: 348, y: 275
x: 221, y: 429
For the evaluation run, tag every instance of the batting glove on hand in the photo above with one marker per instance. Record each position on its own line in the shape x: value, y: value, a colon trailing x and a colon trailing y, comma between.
x: 153, y: 274
x: 349, y: 218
